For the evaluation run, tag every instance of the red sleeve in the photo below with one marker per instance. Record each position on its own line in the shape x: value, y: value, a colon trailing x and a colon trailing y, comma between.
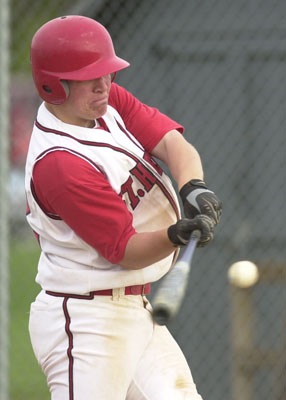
x: 79, y: 194
x: 146, y: 123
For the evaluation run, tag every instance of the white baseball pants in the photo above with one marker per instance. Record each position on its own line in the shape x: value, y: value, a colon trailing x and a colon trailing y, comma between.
x: 107, y: 348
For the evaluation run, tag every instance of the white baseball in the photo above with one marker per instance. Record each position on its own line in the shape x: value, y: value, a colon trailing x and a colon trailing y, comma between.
x: 243, y: 274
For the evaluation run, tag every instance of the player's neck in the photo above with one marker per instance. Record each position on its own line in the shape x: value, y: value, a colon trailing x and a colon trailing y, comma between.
x: 70, y: 119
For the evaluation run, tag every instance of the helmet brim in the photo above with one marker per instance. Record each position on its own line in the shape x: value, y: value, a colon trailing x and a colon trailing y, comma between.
x: 94, y: 70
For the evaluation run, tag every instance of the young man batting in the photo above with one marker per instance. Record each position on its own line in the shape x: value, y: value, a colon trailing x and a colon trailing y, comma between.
x: 108, y: 222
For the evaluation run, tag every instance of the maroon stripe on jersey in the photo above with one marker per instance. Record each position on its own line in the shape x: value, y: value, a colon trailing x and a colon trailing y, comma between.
x: 33, y: 190
x: 37, y: 236
x: 50, y: 215
x: 60, y: 148
x: 127, y: 134
x: 103, y: 124
x: 86, y: 142
x: 70, y: 347
x: 114, y: 148
x: 169, y: 197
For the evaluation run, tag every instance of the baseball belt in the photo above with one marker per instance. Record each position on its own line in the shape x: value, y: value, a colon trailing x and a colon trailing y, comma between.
x: 129, y: 290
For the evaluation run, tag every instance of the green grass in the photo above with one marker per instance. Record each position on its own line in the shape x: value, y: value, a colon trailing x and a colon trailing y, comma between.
x: 26, y: 378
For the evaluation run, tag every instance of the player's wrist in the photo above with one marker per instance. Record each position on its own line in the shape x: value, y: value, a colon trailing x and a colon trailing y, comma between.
x: 179, y: 233
x: 173, y: 236
x: 190, y: 186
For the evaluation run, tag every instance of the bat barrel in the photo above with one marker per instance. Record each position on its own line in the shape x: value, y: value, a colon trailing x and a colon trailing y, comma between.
x: 171, y: 292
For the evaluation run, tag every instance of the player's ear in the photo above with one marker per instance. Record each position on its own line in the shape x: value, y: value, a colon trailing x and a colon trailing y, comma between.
x: 66, y: 87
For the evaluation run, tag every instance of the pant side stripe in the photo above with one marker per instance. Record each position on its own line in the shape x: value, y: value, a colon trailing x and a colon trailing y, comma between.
x: 70, y: 347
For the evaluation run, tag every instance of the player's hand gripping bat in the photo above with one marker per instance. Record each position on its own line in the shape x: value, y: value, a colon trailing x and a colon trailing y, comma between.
x: 171, y: 291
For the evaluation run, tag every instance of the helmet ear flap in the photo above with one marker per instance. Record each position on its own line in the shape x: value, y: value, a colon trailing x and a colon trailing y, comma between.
x: 52, y: 89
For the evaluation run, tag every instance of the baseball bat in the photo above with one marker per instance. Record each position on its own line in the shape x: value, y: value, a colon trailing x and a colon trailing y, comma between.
x: 171, y: 291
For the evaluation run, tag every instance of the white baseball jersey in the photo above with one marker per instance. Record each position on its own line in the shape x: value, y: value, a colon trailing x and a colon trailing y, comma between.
x: 68, y: 263
x: 93, y: 346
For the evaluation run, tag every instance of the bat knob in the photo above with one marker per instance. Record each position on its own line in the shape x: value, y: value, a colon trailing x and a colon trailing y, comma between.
x: 161, y: 315
x: 196, y: 234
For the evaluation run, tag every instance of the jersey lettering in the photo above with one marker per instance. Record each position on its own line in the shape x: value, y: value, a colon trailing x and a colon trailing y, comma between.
x: 145, y: 177
x: 147, y: 157
x: 127, y: 188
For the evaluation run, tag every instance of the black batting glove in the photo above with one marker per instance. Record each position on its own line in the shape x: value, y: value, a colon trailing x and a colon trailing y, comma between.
x: 198, y: 199
x: 179, y: 233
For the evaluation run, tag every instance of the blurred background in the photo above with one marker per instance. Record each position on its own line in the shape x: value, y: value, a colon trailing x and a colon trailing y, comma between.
x: 219, y: 68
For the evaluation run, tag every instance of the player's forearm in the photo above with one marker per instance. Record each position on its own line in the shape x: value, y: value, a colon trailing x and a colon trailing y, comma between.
x: 182, y: 159
x: 146, y: 248
x: 186, y: 166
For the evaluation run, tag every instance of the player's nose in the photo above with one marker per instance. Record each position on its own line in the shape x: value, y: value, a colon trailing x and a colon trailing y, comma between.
x: 102, y: 84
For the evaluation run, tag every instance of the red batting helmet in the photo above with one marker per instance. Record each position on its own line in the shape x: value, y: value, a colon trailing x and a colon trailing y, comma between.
x: 71, y: 48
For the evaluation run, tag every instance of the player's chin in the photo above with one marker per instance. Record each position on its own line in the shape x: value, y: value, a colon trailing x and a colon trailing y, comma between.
x: 99, y: 110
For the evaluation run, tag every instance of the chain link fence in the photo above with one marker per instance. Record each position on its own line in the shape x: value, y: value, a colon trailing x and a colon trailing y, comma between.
x: 219, y: 68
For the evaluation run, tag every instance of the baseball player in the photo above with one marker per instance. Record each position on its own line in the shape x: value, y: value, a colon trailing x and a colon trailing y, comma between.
x: 107, y: 220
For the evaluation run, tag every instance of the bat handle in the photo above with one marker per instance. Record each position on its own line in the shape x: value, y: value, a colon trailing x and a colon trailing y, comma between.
x: 192, y: 243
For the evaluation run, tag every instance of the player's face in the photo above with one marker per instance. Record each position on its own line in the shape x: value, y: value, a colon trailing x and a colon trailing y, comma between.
x: 86, y: 102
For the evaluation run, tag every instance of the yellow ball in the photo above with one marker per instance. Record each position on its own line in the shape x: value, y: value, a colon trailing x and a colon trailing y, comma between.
x: 243, y: 274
